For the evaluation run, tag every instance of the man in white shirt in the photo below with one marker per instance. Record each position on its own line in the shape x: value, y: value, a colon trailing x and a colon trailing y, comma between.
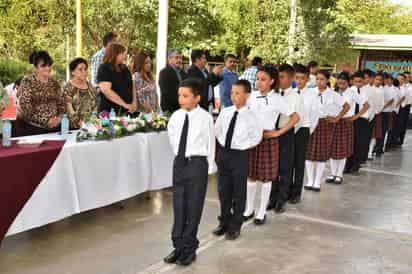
x: 379, y: 104
x: 192, y: 137
x: 236, y: 131
x: 307, y: 123
x: 281, y: 186
x: 405, y: 107
x: 361, y: 113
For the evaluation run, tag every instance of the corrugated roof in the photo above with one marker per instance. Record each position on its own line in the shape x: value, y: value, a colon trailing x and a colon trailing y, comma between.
x: 382, y: 41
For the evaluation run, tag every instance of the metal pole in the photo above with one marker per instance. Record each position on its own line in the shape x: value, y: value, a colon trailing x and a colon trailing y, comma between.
x: 161, y: 38
x: 79, y: 28
x: 292, y: 29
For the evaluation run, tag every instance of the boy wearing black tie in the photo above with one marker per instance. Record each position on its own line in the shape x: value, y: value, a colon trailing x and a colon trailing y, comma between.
x: 191, y: 135
x: 237, y: 131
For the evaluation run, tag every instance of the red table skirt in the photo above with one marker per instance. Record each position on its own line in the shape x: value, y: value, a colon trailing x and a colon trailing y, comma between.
x: 21, y: 171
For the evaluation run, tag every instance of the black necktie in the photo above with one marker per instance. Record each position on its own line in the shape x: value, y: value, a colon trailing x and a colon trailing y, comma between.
x: 321, y: 98
x: 282, y: 93
x: 357, y: 105
x: 298, y: 91
x: 230, y: 131
x: 183, y: 139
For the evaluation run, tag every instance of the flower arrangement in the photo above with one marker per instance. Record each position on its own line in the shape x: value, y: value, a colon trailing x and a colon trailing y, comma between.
x: 105, y: 128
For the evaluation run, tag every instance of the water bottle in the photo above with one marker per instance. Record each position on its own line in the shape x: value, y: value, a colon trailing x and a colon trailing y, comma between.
x: 6, y: 141
x: 65, y: 125
x: 211, y: 108
x: 112, y: 115
x: 94, y: 115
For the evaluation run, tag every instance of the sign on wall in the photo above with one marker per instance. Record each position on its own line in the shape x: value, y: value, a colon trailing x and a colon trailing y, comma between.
x: 389, y: 66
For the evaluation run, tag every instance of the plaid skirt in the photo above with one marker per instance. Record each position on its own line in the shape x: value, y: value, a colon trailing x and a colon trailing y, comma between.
x: 377, y: 131
x: 264, y: 160
x: 320, y: 142
x: 343, y: 140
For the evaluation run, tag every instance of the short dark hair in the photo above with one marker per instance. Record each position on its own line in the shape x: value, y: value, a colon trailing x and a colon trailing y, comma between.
x: 245, y: 84
x: 77, y: 61
x: 194, y: 84
x: 256, y: 61
x: 396, y: 82
x: 40, y: 56
x: 344, y: 76
x: 273, y: 73
x: 312, y: 64
x: 325, y: 73
x: 287, y: 68
x: 227, y: 56
x: 299, y: 68
x: 380, y: 74
x: 108, y: 37
x: 407, y: 72
x: 358, y: 74
x: 18, y: 81
x: 402, y: 74
x: 196, y: 54
x: 369, y: 72
x: 387, y: 75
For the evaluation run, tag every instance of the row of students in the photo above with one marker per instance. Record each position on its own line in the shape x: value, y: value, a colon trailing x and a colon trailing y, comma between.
x: 267, y: 137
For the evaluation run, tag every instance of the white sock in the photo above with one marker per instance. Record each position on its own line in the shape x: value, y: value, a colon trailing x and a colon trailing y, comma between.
x: 371, y: 147
x: 334, y: 164
x: 250, y: 198
x: 264, y: 199
x: 310, y: 170
x: 320, y: 167
x: 341, y: 167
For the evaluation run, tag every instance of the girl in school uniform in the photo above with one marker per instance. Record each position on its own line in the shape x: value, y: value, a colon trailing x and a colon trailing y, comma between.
x: 267, y: 104
x: 344, y: 134
x: 331, y: 110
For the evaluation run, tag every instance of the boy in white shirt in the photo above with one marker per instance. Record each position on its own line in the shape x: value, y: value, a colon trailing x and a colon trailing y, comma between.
x: 236, y: 132
x: 192, y: 137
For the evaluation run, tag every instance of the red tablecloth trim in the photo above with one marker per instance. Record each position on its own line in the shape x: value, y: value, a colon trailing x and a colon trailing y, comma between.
x: 21, y: 171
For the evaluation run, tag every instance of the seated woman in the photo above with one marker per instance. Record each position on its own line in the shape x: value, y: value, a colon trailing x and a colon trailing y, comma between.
x: 115, y: 82
x: 4, y: 101
x: 40, y: 101
x: 79, y: 94
x: 144, y: 84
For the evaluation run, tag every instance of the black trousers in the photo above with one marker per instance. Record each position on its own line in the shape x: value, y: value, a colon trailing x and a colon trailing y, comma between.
x: 385, y: 125
x: 298, y: 169
x: 393, y: 135
x: 281, y: 186
x: 189, y: 193
x: 232, y: 185
x: 363, y: 132
x: 403, y: 122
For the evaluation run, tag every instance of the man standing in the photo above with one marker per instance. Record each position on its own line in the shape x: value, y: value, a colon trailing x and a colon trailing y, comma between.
x: 209, y: 80
x: 229, y: 77
x: 250, y: 73
x: 97, y: 58
x: 169, y: 80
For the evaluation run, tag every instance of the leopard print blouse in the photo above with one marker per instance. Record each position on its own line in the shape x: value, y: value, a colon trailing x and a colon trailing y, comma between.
x: 37, y: 102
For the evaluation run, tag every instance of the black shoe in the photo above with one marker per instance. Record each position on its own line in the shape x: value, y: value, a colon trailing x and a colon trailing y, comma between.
x: 232, y: 235
x: 379, y: 154
x: 247, y: 218
x: 316, y: 189
x: 338, y: 181
x: 260, y: 222
x: 330, y: 179
x: 308, y: 187
x: 280, y: 208
x: 172, y: 257
x: 295, y: 200
x: 220, y: 230
x: 271, y: 205
x: 186, y: 260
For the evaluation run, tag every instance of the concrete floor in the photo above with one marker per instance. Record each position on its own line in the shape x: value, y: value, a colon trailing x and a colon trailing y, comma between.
x: 363, y: 226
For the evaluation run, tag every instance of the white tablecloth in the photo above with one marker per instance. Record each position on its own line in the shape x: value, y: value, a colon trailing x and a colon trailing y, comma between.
x: 92, y: 174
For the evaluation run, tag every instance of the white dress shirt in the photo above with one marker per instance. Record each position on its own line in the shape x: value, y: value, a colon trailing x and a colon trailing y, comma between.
x: 389, y: 94
x: 331, y: 103
x: 352, y: 97
x: 409, y: 88
x: 247, y: 132
x: 311, y: 106
x: 379, y: 99
x: 200, y: 137
x: 366, y: 96
x: 295, y: 103
x: 404, y: 92
x: 397, y: 98
x: 267, y: 108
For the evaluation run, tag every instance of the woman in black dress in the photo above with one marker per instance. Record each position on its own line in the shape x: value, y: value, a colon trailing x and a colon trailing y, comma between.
x: 115, y: 82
